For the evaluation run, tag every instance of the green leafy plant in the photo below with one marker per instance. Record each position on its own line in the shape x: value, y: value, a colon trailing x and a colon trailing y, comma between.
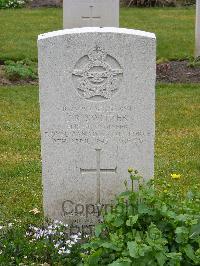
x: 195, y: 62
x: 24, y: 69
x: 152, y: 223
x: 148, y: 226
x: 11, y: 3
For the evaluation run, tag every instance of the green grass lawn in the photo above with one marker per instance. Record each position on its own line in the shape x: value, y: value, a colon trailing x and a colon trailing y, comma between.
x: 174, y: 28
x: 177, y: 144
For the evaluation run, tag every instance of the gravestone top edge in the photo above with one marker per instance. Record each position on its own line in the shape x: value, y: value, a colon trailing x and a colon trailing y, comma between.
x: 96, y: 30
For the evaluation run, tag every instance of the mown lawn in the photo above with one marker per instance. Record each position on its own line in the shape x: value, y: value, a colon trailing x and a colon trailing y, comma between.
x: 174, y: 28
x: 177, y: 144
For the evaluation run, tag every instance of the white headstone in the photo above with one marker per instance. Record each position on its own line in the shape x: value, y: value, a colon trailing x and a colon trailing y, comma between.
x: 90, y: 13
x: 97, y: 89
x: 197, y: 48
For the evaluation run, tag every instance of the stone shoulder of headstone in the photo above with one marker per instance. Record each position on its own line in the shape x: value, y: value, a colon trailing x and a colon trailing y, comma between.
x: 97, y: 117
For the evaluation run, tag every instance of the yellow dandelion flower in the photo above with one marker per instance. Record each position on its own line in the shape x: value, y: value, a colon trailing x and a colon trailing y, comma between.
x: 175, y: 176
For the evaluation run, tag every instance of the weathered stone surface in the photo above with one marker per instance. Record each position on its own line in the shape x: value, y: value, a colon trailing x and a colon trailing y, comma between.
x: 90, y: 13
x: 97, y: 89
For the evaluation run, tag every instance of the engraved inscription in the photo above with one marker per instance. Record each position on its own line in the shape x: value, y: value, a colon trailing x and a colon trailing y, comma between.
x: 97, y: 76
x: 91, y: 126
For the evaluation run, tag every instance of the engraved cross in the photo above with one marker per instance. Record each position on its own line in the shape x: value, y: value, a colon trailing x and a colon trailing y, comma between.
x: 98, y: 172
x: 91, y: 17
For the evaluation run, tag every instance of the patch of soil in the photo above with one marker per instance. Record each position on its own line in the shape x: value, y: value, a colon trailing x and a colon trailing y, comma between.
x: 5, y: 81
x: 171, y: 72
x: 178, y: 72
x: 45, y: 3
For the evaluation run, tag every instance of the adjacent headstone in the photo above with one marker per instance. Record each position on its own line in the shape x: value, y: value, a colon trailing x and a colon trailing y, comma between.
x: 97, y: 89
x: 90, y: 13
x: 197, y: 48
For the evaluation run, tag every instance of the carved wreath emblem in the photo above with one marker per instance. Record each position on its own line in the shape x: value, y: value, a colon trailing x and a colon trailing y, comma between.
x: 97, y: 75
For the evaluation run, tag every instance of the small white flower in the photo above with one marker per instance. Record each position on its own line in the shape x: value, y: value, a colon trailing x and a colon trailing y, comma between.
x: 28, y: 234
x: 61, y: 250
x: 34, y: 228
x: 10, y: 225
x: 56, y: 245
x: 75, y: 236
x: 67, y: 251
